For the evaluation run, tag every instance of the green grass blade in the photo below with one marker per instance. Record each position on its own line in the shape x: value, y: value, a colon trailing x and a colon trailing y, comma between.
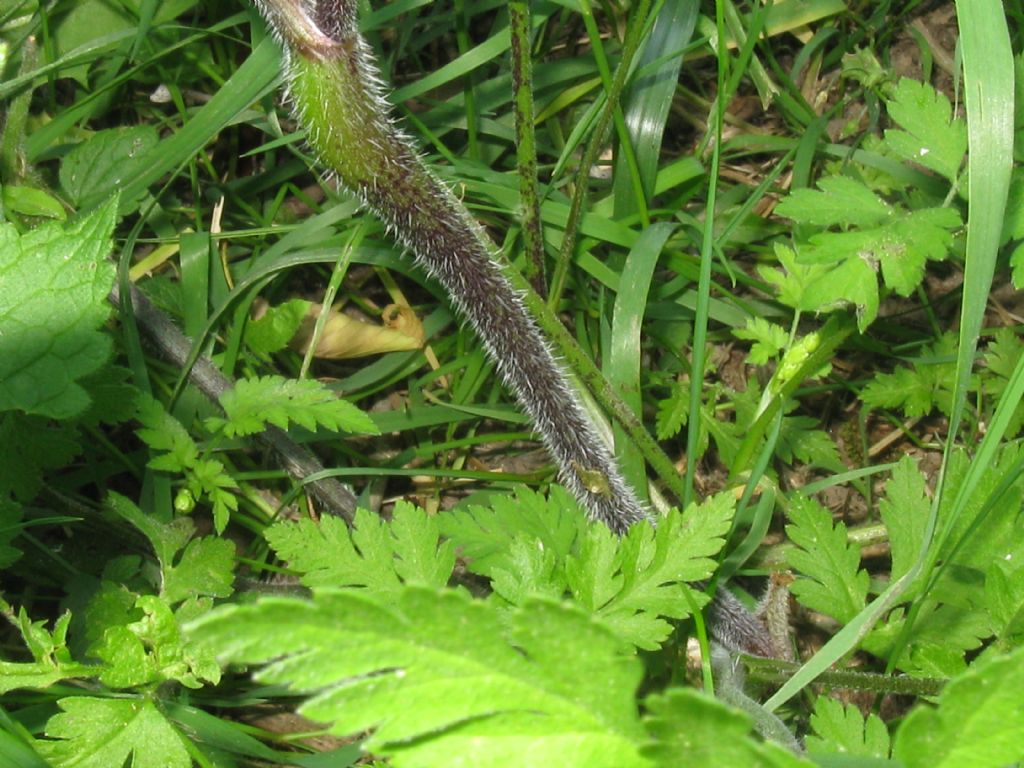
x: 650, y: 97
x: 623, y: 369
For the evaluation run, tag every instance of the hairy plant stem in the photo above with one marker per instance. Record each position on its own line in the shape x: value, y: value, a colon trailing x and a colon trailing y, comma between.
x: 336, y: 94
x: 335, y: 91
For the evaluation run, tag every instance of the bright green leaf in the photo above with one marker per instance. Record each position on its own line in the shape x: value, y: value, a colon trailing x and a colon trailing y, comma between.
x: 104, y: 733
x: 978, y: 721
x: 375, y: 555
x: 830, y: 579
x: 254, y: 403
x: 542, y: 685
x: 838, y: 201
x: 931, y: 137
x: 52, y: 311
x: 842, y: 728
x: 98, y: 165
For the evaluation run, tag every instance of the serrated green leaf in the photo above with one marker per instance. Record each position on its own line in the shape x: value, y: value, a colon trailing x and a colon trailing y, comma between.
x: 52, y: 310
x: 152, y: 650
x: 374, y: 555
x: 795, y: 281
x: 532, y: 571
x: 205, y: 567
x: 905, y: 510
x: 254, y: 403
x: 162, y: 432
x: 931, y: 137
x: 272, y: 331
x: 673, y: 411
x: 634, y: 583
x: 484, y: 535
x: 978, y: 721
x: 542, y: 685
x: 916, y: 391
x: 800, y: 441
x: 97, y: 166
x: 830, y: 579
x: 103, y: 733
x: 852, y: 282
x: 687, y: 728
x: 838, y: 201
x: 768, y: 339
x: 842, y: 728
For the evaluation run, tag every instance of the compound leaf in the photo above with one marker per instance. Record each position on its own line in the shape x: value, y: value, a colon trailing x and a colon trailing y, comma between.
x: 484, y: 534
x: 375, y: 555
x: 838, y: 201
x: 541, y: 684
x: 633, y: 584
x: 254, y: 403
x: 842, y: 728
x: 830, y: 580
x: 101, y: 733
x: 931, y: 137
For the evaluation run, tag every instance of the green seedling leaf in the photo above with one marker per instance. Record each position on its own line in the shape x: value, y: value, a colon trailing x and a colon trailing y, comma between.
x: 101, y: 733
x: 543, y: 684
x: 52, y: 661
x: 854, y: 282
x: 375, y: 555
x: 272, y: 331
x: 152, y: 650
x: 54, y: 304
x: 794, y: 282
x: 842, y: 728
x: 254, y: 403
x: 768, y: 338
x: 42, y: 445
x: 632, y: 584
x: 205, y: 478
x: 978, y: 721
x: 905, y: 510
x: 687, y: 728
x: 830, y: 580
x: 931, y: 137
x: 799, y: 440
x: 838, y: 201
x: 189, y: 567
x: 98, y: 166
x: 674, y: 411
x: 917, y: 391
x: 484, y: 535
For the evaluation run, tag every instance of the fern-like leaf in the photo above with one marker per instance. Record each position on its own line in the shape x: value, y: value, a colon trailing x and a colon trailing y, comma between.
x: 445, y: 680
x: 635, y: 583
x: 254, y: 403
x: 375, y: 555
x: 830, y: 580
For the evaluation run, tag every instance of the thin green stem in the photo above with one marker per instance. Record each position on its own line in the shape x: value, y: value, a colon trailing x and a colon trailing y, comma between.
x: 526, y: 148
x: 614, y: 90
x: 700, y: 320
